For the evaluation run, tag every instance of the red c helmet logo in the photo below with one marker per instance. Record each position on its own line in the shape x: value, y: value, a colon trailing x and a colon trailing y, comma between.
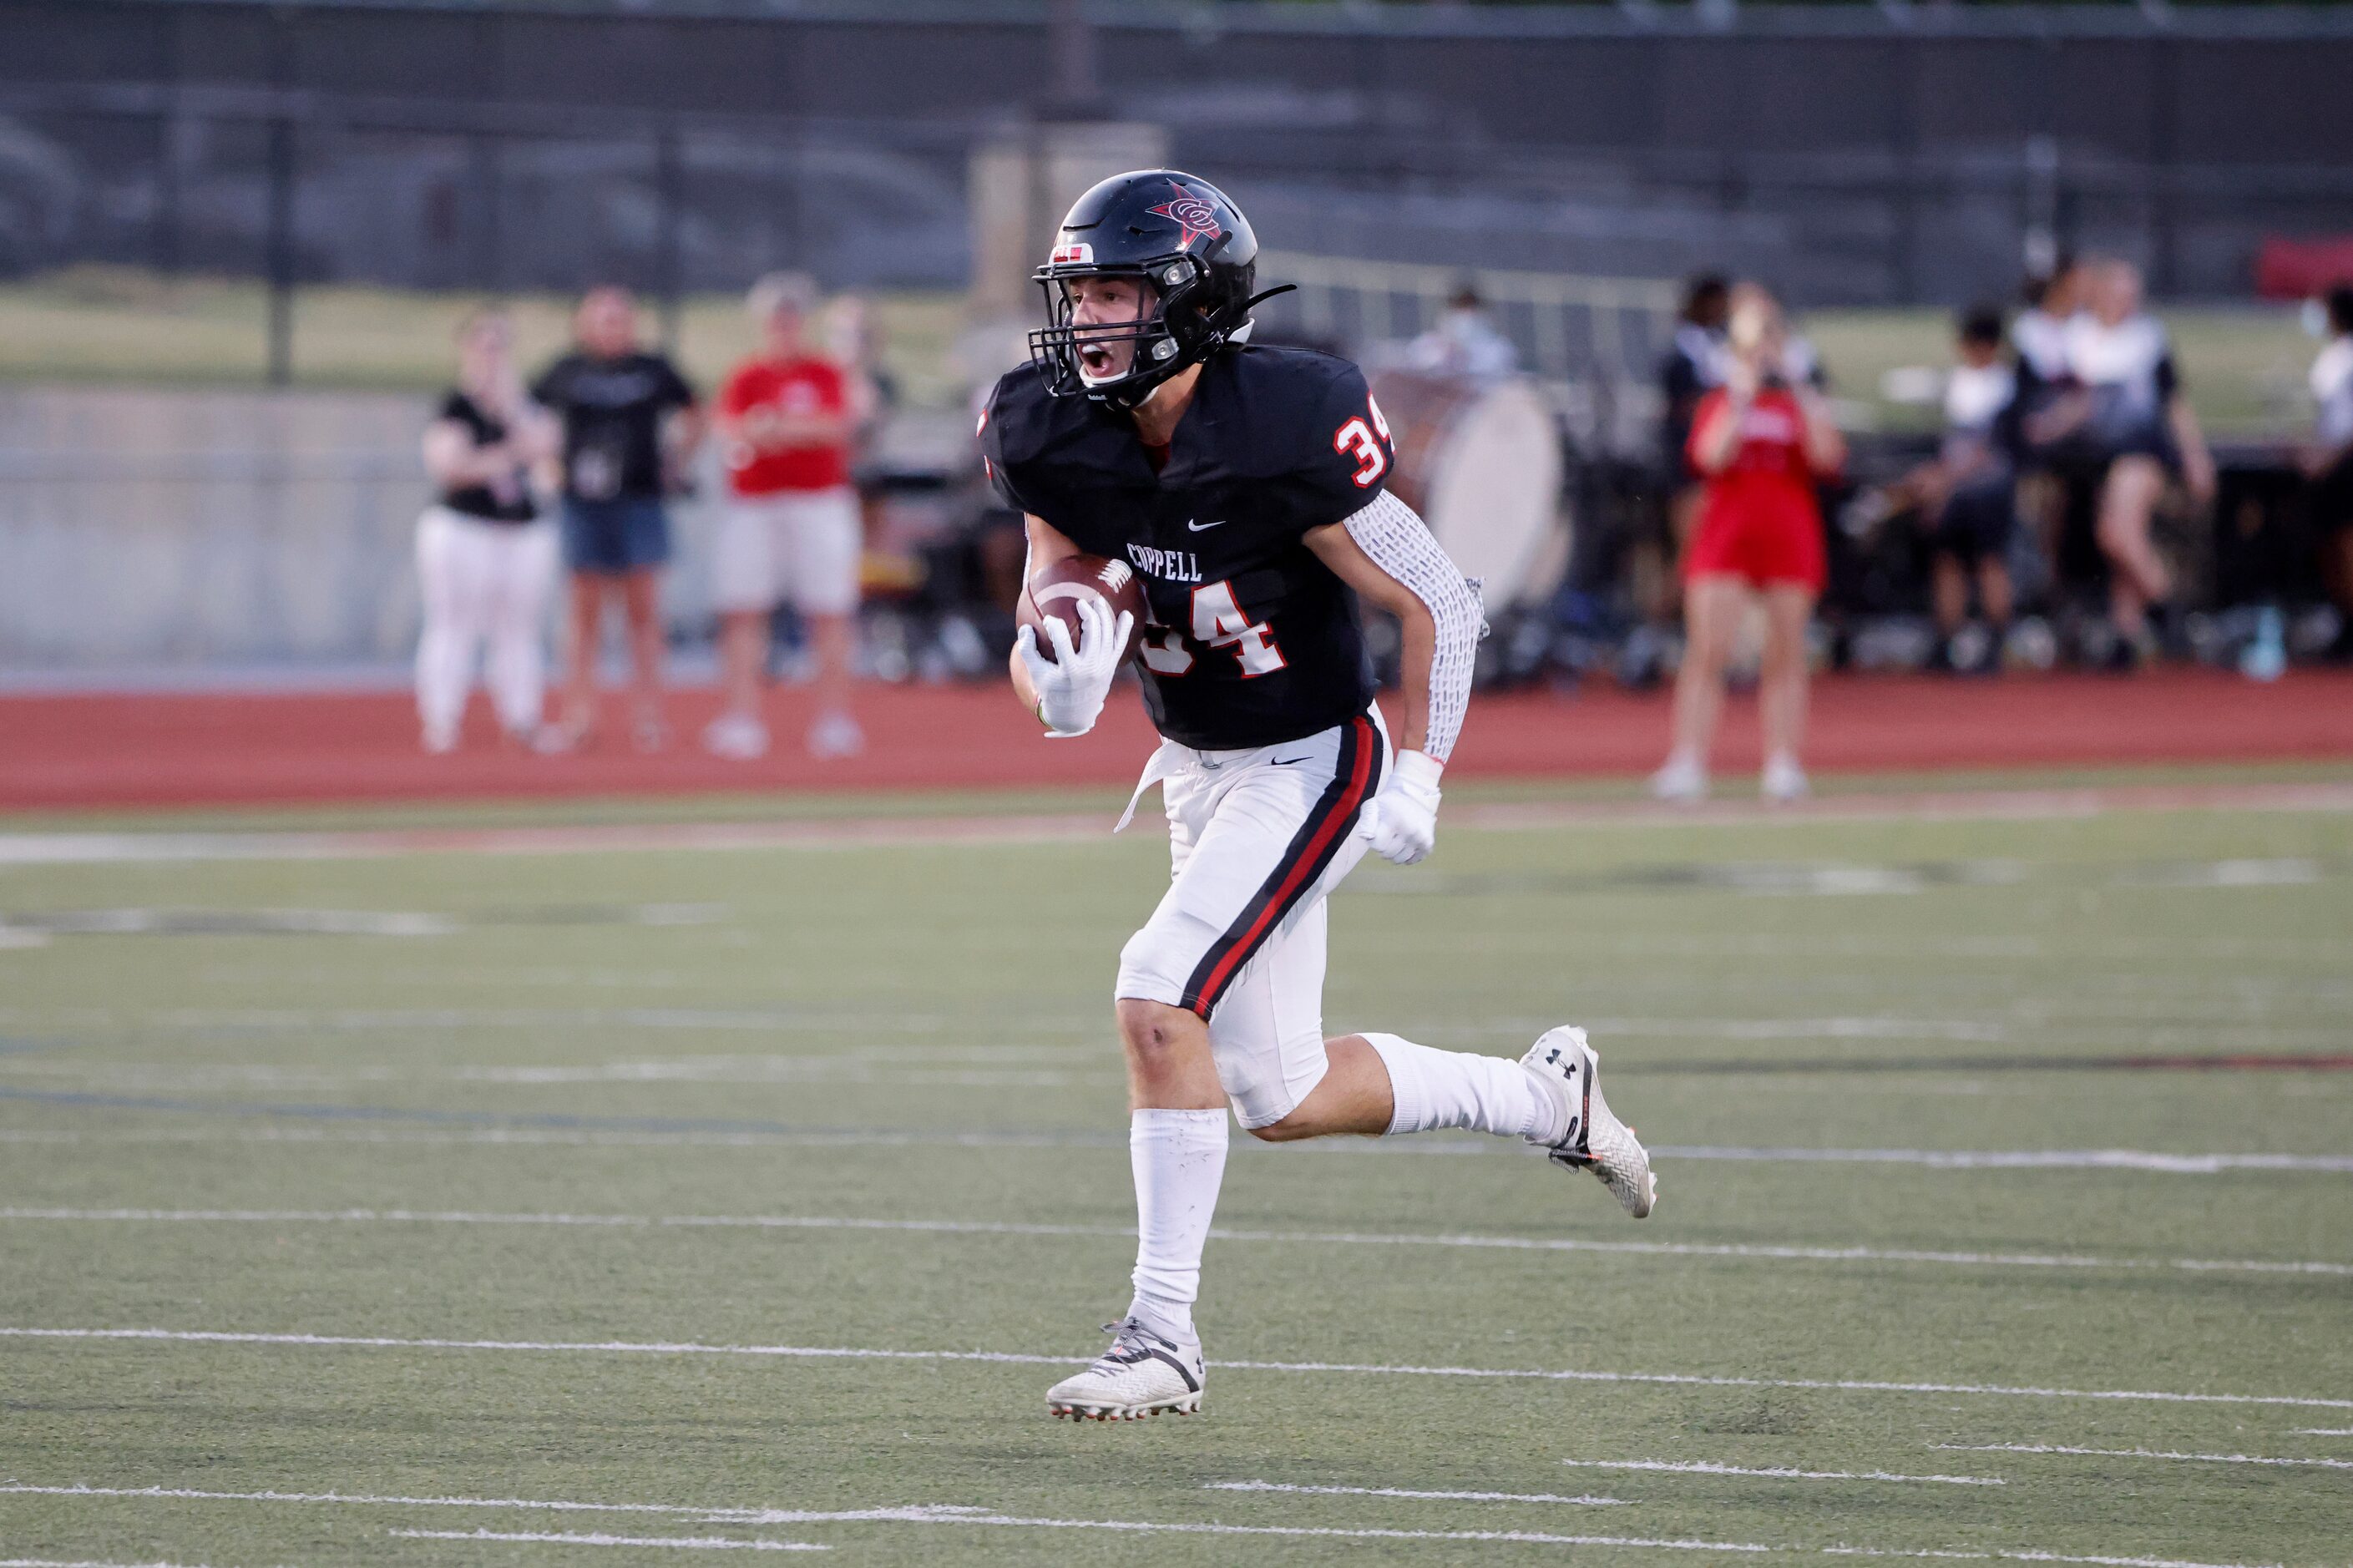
x: 1193, y: 215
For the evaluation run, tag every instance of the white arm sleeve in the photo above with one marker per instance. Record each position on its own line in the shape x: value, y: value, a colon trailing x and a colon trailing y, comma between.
x: 1398, y: 543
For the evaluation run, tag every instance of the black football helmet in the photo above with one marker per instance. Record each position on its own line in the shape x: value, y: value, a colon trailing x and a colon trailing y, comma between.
x: 1178, y: 234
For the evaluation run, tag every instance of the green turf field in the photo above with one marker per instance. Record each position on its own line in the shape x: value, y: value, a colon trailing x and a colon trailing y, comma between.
x: 633, y: 1130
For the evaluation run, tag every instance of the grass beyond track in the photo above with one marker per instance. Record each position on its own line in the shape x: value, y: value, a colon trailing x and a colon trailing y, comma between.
x: 2243, y: 366
x: 2007, y: 1208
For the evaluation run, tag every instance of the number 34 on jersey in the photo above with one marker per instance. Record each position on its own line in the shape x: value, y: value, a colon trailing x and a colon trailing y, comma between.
x: 1219, y: 623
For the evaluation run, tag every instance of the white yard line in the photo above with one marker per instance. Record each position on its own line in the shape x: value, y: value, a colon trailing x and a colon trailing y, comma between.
x: 682, y: 1542
x: 61, y: 1563
x: 533, y: 1505
x: 2152, y: 1160
x: 2018, y: 1159
x: 2144, y: 1454
x: 1408, y: 1492
x: 971, y: 1517
x: 1011, y: 828
x: 1712, y: 1467
x: 1279, y: 1237
x: 2324, y: 1431
x: 1350, y: 1369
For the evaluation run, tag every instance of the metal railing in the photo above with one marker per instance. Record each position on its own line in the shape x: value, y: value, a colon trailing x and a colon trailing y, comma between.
x: 1566, y: 326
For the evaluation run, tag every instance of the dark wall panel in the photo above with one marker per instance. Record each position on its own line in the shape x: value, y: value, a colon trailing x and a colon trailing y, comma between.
x: 2105, y: 96
x: 427, y: 55
x: 2256, y: 101
x: 97, y: 42
x: 1585, y: 92
x: 917, y: 73
x: 1984, y: 93
x: 225, y: 46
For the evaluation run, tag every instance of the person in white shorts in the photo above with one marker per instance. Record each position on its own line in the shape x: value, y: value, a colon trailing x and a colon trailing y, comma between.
x: 485, y: 557
x: 792, y: 530
x: 1242, y: 488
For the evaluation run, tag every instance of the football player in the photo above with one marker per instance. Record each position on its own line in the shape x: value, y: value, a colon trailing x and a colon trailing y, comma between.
x: 1244, y: 485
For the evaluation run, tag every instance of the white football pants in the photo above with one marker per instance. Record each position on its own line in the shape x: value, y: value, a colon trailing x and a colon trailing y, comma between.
x: 1257, y: 839
x: 483, y: 583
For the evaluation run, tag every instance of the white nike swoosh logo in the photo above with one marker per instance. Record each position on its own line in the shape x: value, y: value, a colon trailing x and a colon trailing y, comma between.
x: 1205, y: 527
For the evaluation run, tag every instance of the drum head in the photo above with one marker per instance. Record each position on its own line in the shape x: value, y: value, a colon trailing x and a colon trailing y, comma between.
x: 1490, y: 494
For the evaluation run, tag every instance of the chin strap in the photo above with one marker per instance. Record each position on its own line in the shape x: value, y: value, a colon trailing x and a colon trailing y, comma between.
x: 1130, y: 397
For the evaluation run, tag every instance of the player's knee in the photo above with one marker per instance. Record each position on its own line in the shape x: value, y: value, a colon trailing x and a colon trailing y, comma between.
x: 1153, y: 1030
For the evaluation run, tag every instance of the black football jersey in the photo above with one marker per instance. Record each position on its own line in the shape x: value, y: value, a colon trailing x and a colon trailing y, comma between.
x: 1253, y: 640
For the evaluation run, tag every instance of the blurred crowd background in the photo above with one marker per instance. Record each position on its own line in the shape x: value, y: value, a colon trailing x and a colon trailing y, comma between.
x: 2062, y: 275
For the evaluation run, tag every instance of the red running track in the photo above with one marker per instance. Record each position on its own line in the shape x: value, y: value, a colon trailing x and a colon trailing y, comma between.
x: 85, y: 752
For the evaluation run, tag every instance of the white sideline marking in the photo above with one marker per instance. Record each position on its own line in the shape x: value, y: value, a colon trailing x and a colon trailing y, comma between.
x: 533, y: 1505
x: 60, y: 1562
x: 1711, y: 1467
x: 953, y: 1514
x: 1406, y: 1493
x: 2020, y: 1159
x: 2324, y: 1431
x: 1283, y: 1237
x: 1361, y: 1369
x: 1010, y: 828
x: 584, y: 1137
x: 884, y: 1137
x: 689, y: 1542
x: 2142, y: 1454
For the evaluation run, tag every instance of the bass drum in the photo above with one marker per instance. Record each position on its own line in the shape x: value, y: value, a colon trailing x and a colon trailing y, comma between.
x: 1481, y: 461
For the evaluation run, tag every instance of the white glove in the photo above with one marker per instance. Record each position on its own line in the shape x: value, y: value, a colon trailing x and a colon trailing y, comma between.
x: 1401, y: 822
x: 1071, y: 686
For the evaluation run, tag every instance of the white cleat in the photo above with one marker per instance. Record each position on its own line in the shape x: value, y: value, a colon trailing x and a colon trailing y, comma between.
x: 836, y: 734
x: 1683, y: 781
x: 738, y: 737
x: 1783, y: 781
x: 1141, y: 1374
x: 1596, y: 1141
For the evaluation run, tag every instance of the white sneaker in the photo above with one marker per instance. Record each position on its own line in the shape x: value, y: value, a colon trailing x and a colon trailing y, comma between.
x: 738, y: 737
x: 1141, y: 1374
x: 836, y: 734
x: 1596, y: 1141
x: 1783, y: 781
x: 1683, y: 781
x: 437, y: 741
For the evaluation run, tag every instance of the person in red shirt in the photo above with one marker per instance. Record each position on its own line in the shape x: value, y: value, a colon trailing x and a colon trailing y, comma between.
x: 791, y: 528
x: 1760, y: 442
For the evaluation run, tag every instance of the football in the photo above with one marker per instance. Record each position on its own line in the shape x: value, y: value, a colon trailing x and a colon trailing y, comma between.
x: 1056, y: 590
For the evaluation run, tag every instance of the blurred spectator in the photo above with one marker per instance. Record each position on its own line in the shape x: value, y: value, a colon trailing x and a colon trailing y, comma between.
x: 1693, y: 368
x: 2139, y: 432
x: 1761, y: 441
x: 485, y: 561
x: 791, y: 528
x: 1967, y: 497
x: 2328, y: 465
x: 1465, y: 341
x: 623, y: 453
x: 2040, y: 333
x: 853, y: 337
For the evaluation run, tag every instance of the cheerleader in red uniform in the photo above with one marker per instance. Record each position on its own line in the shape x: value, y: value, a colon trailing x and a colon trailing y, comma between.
x: 1760, y: 443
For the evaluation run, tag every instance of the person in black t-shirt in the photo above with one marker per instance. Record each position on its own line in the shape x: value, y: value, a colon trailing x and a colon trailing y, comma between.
x: 2141, y: 426
x: 630, y: 421
x: 1693, y: 367
x: 1967, y: 497
x: 485, y: 560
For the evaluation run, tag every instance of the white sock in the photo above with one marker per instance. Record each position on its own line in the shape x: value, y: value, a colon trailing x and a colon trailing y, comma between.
x: 1179, y: 1158
x: 1462, y: 1088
